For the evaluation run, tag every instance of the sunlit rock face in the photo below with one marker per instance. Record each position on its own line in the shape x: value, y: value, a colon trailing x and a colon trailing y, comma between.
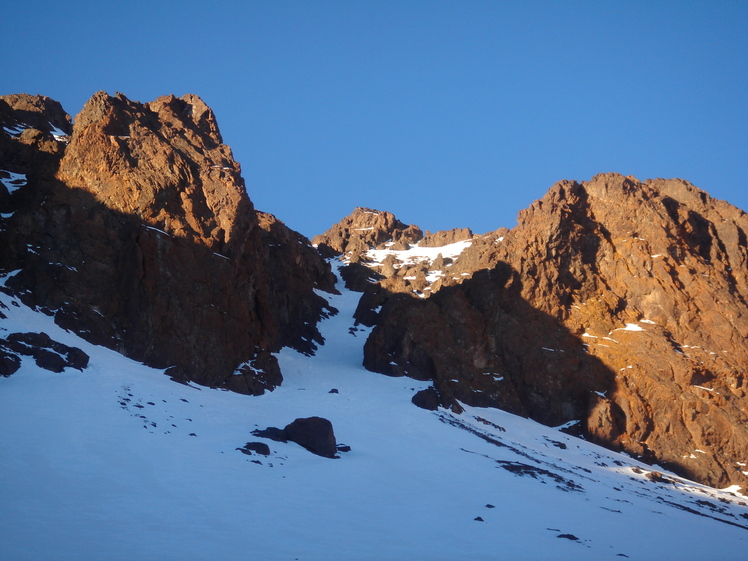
x: 135, y: 230
x: 617, y: 303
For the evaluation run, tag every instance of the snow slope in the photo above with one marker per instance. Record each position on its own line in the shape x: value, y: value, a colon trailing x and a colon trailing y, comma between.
x: 119, y: 462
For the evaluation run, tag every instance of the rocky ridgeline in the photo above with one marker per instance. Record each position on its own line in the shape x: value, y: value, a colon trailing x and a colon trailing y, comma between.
x: 618, y: 304
x: 615, y: 307
x: 133, y: 228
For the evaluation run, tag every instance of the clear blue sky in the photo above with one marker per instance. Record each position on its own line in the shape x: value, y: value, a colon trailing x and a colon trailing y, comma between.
x: 448, y: 114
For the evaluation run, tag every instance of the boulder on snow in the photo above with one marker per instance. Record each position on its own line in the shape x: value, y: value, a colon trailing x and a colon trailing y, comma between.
x: 427, y: 399
x: 313, y: 433
x: 49, y: 360
x: 48, y: 353
x: 258, y: 447
x: 9, y: 363
x: 271, y: 433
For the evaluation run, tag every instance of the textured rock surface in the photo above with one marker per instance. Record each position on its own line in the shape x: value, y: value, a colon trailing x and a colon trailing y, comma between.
x: 618, y: 303
x: 138, y: 234
x: 400, y: 271
x: 363, y: 229
x: 446, y: 237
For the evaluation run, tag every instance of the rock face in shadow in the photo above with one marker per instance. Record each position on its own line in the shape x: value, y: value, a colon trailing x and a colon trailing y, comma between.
x: 136, y: 232
x: 618, y: 303
x: 483, y: 345
x: 47, y: 353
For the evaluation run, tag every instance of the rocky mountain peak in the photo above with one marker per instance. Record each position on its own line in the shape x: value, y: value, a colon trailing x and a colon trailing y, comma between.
x: 22, y: 111
x: 616, y: 303
x: 162, y: 161
x: 33, y: 133
x: 136, y: 232
x: 365, y: 229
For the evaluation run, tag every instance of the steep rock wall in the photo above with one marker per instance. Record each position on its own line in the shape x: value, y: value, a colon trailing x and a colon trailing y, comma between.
x: 618, y: 303
x: 139, y: 235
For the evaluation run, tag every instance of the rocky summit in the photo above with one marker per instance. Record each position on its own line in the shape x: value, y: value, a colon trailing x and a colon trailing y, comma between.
x: 617, y: 309
x: 133, y: 228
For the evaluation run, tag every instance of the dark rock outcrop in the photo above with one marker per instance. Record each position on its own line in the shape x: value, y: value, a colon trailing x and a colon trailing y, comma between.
x: 9, y: 363
x: 483, y: 345
x: 427, y: 399
x: 313, y: 433
x: 617, y: 302
x: 256, y: 447
x: 358, y: 277
x: 271, y: 433
x: 137, y: 233
x: 47, y: 353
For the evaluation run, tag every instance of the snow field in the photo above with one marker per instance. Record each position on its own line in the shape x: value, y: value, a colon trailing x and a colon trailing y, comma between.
x: 102, y: 464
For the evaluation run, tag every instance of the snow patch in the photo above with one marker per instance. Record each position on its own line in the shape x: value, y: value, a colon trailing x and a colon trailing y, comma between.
x: 14, y: 181
x: 416, y: 253
x: 631, y: 327
x: 157, y: 230
x: 16, y: 130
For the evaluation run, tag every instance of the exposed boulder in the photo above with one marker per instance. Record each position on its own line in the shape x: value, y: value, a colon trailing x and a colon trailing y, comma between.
x: 313, y: 433
x: 47, y: 353
x: 256, y: 447
x: 427, y: 399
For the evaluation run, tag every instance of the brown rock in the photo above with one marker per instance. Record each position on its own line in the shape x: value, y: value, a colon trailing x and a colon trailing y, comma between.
x: 613, y: 301
x: 21, y: 111
x: 483, y: 345
x: 365, y: 229
x: 445, y: 237
x: 139, y: 235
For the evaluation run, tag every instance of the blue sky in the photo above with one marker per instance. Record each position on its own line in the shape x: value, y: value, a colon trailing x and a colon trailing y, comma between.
x: 448, y: 114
